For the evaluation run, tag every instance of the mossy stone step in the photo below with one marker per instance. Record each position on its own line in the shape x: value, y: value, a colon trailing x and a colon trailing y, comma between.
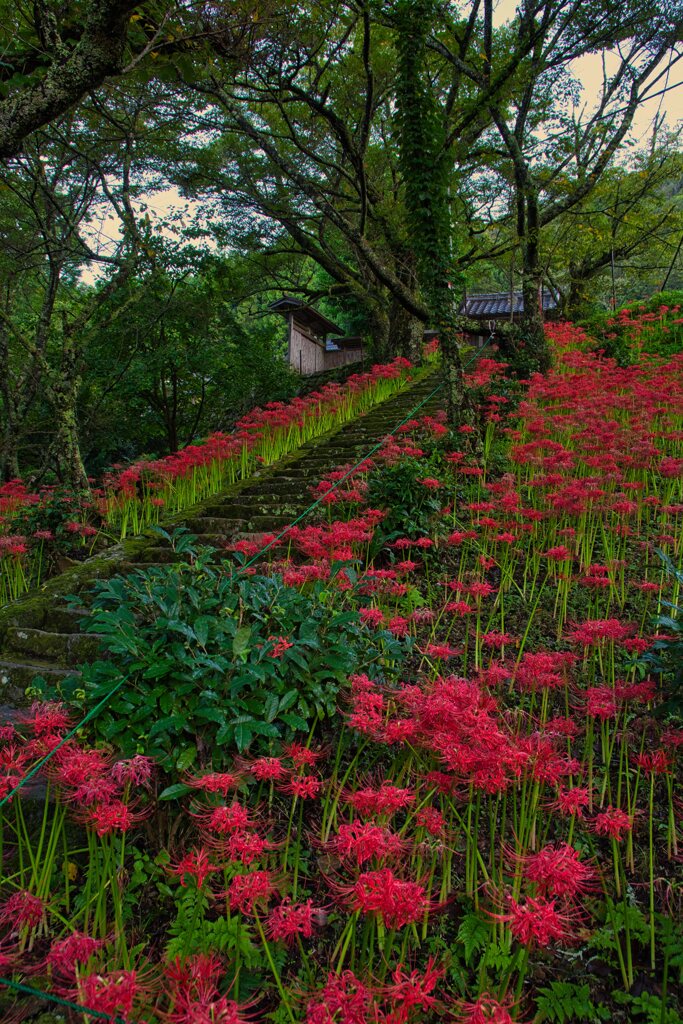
x: 281, y: 488
x: 63, y: 649
x: 60, y: 619
x: 16, y: 675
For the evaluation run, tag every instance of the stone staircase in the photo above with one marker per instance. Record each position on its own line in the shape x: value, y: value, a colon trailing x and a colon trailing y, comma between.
x: 40, y: 636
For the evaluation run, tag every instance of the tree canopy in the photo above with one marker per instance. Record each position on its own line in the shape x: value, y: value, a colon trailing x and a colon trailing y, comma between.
x: 376, y: 158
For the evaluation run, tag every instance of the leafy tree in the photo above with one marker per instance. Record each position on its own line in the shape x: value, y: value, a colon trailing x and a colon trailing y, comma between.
x: 188, y: 362
x: 55, y: 54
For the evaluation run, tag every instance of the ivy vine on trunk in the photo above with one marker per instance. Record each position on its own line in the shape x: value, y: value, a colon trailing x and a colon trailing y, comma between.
x: 426, y: 168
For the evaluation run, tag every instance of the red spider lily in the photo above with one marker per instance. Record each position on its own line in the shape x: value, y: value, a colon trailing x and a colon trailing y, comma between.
x: 386, y: 799
x: 595, y: 631
x: 543, y: 670
x: 110, y: 816
x: 485, y: 1010
x: 113, y: 992
x: 196, y: 864
x: 343, y: 1000
x: 460, y: 608
x: 371, y: 616
x: 659, y: 762
x: 14, y: 762
x: 280, y: 645
x: 224, y: 819
x: 601, y: 702
x: 247, y: 891
x: 369, y: 713
x: 289, y: 919
x: 432, y: 820
x: 396, y: 901
x: 214, y: 782
x: 363, y: 841
x: 415, y: 990
x: 558, y: 871
x: 612, y: 822
x: 305, y: 787
x: 441, y: 651
x: 65, y: 956
x: 398, y: 626
x: 245, y: 847
x: 83, y: 773
x: 302, y: 755
x: 216, y: 1009
x: 536, y: 922
x: 48, y: 718
x: 267, y: 769
x: 573, y: 801
x: 497, y: 640
x: 22, y: 910
x: 136, y: 771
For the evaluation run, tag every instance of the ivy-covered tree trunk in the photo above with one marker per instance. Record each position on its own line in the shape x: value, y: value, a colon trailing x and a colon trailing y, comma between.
x: 426, y: 168
x: 405, y: 333
x: 65, y: 451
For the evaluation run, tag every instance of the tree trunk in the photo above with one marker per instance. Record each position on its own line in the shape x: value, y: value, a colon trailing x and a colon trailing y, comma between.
x: 380, y: 332
x: 405, y: 333
x: 532, y: 280
x: 65, y: 449
x: 446, y: 322
x: 9, y: 457
x: 576, y: 296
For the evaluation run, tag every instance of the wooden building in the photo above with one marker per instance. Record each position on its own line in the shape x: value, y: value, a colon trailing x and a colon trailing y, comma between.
x: 310, y: 349
x: 315, y: 344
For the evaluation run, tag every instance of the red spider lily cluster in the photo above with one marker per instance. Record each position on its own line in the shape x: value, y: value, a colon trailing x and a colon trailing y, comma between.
x: 510, y: 800
x: 640, y: 327
x: 132, y: 498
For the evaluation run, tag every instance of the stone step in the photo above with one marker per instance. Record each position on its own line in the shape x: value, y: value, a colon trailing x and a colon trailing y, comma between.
x: 60, y: 619
x: 16, y: 675
x: 62, y: 649
x: 280, y: 488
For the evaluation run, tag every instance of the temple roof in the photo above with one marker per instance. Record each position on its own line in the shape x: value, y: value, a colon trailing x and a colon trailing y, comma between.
x: 497, y: 304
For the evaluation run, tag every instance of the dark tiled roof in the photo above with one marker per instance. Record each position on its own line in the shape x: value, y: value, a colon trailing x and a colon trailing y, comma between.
x: 497, y: 304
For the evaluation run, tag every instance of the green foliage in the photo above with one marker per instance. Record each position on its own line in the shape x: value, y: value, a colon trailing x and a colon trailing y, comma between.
x: 665, y: 657
x: 474, y: 933
x: 410, y: 506
x: 185, y: 363
x: 201, y: 648
x: 604, y: 940
x: 654, y: 326
x: 647, y: 1007
x: 564, y: 1001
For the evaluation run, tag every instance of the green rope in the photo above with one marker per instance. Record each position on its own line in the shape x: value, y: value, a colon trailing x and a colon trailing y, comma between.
x: 49, y: 997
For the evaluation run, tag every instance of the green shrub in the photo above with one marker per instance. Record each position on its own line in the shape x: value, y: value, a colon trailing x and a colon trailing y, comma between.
x: 654, y: 325
x: 410, y: 505
x: 218, y: 660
